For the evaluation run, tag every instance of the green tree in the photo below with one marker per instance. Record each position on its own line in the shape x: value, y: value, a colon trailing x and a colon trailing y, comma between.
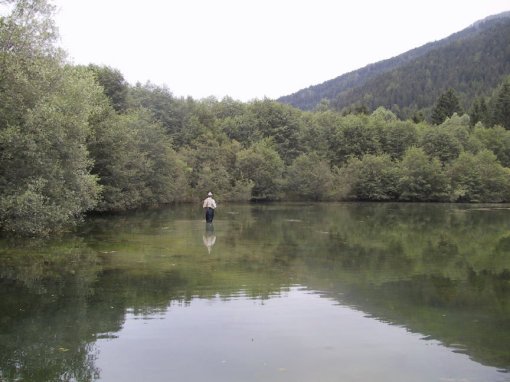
x: 170, y: 112
x: 225, y: 186
x: 381, y: 113
x: 479, y: 178
x: 242, y: 128
x: 115, y: 86
x: 446, y: 105
x: 45, y: 109
x: 44, y: 162
x: 280, y: 122
x: 227, y: 108
x: 496, y: 139
x: 353, y: 137
x: 422, y: 178
x: 417, y: 116
x: 319, y: 128
x: 501, y: 108
x: 374, y: 177
x: 460, y: 128
x: 310, y: 177
x: 211, y: 162
x: 135, y: 163
x: 394, y: 136
x: 28, y: 58
x: 262, y: 164
x: 479, y: 112
x: 199, y: 121
x: 441, y: 143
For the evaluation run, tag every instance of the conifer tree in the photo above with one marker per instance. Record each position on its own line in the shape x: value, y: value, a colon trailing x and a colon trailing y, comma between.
x: 479, y: 112
x: 501, y: 113
x: 447, y: 104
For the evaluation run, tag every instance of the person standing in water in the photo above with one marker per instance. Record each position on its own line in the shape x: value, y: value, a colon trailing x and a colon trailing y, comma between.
x: 210, y: 206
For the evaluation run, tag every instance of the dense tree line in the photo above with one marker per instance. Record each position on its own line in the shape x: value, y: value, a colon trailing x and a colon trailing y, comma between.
x: 75, y: 139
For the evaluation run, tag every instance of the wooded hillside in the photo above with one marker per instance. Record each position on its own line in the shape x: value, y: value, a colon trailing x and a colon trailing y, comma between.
x: 472, y: 62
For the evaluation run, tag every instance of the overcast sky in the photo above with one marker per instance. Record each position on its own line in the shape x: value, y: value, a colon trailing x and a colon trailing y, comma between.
x: 249, y: 49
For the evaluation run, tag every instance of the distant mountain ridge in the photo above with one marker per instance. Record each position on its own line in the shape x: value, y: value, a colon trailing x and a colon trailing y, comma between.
x: 472, y: 61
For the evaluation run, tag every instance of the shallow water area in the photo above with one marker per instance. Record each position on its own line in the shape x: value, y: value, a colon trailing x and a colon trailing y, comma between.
x: 296, y: 336
x: 268, y: 292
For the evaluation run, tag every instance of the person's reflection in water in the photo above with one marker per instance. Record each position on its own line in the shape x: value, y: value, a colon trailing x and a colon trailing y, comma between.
x: 209, y: 236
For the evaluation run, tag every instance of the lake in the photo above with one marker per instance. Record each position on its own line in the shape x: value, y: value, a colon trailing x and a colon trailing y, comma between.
x: 268, y: 292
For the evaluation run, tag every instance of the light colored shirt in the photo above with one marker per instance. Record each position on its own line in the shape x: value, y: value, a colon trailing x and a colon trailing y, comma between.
x: 209, y: 203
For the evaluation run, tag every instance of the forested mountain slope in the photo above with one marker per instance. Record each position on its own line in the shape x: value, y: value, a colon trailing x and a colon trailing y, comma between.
x: 472, y: 61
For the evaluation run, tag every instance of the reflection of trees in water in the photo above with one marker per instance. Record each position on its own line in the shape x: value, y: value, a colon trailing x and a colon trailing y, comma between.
x: 55, y: 305
x: 46, y: 326
x: 471, y: 316
x: 49, y: 345
x: 440, y: 270
x: 443, y: 270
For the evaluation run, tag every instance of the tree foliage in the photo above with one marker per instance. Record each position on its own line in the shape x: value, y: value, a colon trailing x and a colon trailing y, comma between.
x: 422, y: 178
x: 135, y: 163
x: 446, y: 105
x: 501, y: 108
x: 496, y: 139
x: 114, y: 85
x: 75, y: 139
x: 479, y: 178
x: 44, y: 163
x: 310, y: 177
x: 373, y: 177
x: 262, y: 165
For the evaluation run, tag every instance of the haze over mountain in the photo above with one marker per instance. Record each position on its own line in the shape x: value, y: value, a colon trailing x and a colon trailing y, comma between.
x: 472, y: 62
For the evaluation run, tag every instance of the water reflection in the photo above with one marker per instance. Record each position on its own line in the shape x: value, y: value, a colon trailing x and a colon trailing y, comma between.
x: 295, y: 336
x: 209, y: 237
x: 287, y: 273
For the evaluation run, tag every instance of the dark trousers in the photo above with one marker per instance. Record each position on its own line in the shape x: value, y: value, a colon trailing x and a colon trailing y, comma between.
x: 209, y: 214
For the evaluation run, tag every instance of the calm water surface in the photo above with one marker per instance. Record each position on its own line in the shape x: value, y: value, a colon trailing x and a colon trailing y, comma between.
x: 276, y: 292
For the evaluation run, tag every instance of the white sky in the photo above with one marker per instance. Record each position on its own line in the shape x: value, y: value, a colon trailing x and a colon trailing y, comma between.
x: 249, y: 49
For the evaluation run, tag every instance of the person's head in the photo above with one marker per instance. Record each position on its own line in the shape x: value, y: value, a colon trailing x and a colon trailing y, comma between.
x: 209, y: 194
